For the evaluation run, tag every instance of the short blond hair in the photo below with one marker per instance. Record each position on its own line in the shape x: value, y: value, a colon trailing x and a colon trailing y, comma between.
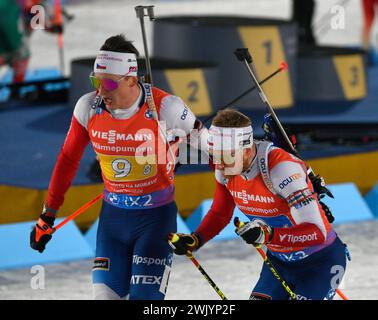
x: 231, y: 118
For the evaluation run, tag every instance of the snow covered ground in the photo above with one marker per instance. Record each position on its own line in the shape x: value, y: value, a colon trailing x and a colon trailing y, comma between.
x: 233, y: 265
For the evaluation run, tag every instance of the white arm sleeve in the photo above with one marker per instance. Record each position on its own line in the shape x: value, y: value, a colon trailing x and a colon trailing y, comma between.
x: 83, y: 109
x: 219, y: 177
x: 180, y: 121
x: 177, y: 115
x: 289, y: 178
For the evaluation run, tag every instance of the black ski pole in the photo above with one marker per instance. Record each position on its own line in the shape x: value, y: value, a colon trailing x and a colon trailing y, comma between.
x: 238, y: 224
x: 282, y: 67
x: 189, y: 254
x: 244, y: 56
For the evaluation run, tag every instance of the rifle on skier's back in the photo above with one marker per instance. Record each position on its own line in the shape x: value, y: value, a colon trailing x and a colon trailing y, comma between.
x: 275, y: 132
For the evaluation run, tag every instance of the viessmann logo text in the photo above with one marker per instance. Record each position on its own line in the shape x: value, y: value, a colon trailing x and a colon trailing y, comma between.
x: 246, y: 197
x: 112, y: 136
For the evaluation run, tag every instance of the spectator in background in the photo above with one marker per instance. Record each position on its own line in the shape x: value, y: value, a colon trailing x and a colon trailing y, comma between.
x: 370, y: 8
x: 14, y: 50
x: 15, y: 32
x: 303, y: 12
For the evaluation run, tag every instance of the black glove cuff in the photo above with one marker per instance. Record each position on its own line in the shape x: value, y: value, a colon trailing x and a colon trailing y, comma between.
x: 48, y: 215
x: 198, y: 239
x: 47, y: 219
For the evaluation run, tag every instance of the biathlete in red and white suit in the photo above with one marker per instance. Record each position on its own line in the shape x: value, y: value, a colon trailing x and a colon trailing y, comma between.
x: 133, y: 257
x: 271, y: 187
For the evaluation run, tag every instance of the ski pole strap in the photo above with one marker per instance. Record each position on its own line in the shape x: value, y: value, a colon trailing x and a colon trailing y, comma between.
x: 42, y: 229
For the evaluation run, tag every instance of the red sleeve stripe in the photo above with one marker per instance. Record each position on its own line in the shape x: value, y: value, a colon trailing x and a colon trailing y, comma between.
x: 300, y: 198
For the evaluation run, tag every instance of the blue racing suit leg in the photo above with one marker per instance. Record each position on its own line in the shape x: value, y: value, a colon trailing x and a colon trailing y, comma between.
x: 112, y: 266
x: 152, y: 256
x: 320, y: 274
x: 132, y: 255
x: 315, y: 277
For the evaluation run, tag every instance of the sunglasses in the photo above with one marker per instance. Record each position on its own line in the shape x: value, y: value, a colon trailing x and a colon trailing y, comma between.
x: 107, y: 84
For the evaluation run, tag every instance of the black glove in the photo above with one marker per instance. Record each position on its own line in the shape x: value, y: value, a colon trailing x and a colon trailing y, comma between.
x: 255, y: 232
x: 182, y: 243
x: 41, y: 233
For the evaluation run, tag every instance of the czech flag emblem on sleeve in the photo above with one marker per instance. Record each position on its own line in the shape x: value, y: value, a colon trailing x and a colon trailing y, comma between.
x: 99, y: 66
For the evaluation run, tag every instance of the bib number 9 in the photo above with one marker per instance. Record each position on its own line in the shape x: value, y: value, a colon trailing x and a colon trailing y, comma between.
x: 121, y: 167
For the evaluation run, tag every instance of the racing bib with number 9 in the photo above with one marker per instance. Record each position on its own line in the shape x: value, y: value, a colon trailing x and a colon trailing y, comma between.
x: 122, y: 168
